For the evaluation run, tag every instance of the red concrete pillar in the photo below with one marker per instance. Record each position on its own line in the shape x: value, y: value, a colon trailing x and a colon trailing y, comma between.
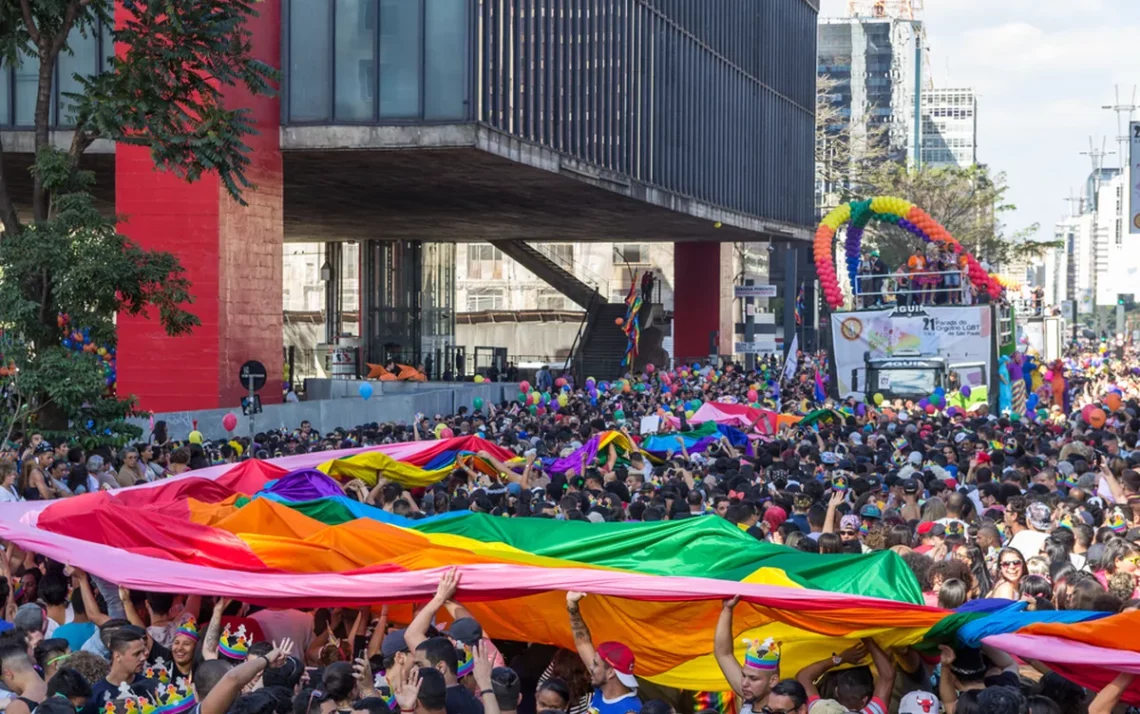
x: 702, y: 300
x: 231, y: 253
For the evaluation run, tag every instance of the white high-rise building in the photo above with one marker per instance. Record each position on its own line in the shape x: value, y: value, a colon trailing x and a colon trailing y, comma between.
x: 949, y: 127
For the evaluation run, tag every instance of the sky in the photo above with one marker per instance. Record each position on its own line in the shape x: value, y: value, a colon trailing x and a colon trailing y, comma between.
x: 1042, y: 70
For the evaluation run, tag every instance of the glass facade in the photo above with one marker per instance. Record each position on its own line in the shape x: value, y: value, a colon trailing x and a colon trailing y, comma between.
x: 20, y: 84
x: 369, y: 61
x: 409, y: 301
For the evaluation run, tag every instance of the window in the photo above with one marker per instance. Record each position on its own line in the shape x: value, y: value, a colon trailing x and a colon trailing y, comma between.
x: 479, y: 299
x: 553, y: 300
x: 445, y: 49
x: 561, y: 253
x: 399, y: 58
x: 484, y: 262
x: 631, y: 253
x: 355, y: 59
x: 310, y: 62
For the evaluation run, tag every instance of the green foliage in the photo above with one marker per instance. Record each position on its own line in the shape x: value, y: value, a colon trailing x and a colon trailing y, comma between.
x: 177, y: 60
x: 166, y: 91
x: 77, y: 264
x: 968, y: 202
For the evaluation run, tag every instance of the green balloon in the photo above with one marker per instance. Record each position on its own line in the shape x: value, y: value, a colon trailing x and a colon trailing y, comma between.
x: 478, y: 403
x: 532, y: 409
x: 522, y: 398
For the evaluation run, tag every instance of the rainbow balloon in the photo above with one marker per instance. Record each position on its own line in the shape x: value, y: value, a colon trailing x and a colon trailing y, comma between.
x: 885, y: 209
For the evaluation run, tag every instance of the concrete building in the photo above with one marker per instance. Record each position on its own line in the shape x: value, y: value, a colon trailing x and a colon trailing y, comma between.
x: 949, y: 127
x: 409, y: 126
x: 872, y: 59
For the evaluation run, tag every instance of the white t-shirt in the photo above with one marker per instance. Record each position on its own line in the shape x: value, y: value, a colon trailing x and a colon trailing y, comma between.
x: 9, y: 495
x: 1028, y: 543
x: 294, y: 624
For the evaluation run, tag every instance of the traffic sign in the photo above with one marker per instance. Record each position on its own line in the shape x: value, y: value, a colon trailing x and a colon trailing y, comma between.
x: 252, y: 371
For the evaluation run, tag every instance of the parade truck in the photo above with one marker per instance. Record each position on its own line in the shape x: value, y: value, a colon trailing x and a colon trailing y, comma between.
x: 910, y: 351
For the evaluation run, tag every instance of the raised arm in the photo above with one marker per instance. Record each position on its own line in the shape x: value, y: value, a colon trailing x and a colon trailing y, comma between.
x: 723, y: 649
x: 228, y: 688
x: 129, y: 607
x: 418, y: 627
x: 378, y: 633
x: 582, y: 640
x: 809, y: 674
x: 885, y: 668
x: 947, y: 683
x: 1107, y: 698
x: 214, y: 630
x: 837, y: 497
x: 483, y: 683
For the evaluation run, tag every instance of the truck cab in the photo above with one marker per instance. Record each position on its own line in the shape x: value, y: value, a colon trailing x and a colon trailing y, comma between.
x: 901, y: 376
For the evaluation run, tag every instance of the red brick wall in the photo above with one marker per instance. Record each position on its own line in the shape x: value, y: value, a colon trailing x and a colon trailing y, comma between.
x: 702, y: 299
x: 231, y: 253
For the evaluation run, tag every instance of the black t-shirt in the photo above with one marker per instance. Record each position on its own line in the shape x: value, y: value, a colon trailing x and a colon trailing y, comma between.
x: 103, y: 692
x: 461, y: 701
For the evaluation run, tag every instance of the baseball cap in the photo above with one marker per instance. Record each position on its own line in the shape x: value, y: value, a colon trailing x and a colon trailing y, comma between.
x: 920, y: 703
x: 30, y: 618
x: 931, y: 528
x: 393, y: 643
x: 827, y: 706
x: 870, y: 511
x: 910, y: 486
x: 849, y: 522
x: 620, y: 657
x: 465, y: 630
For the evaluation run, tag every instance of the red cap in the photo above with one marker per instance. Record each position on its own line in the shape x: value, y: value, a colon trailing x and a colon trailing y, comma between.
x: 620, y: 657
x: 983, y: 458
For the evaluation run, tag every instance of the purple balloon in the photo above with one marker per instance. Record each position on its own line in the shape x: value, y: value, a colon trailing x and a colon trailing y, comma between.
x: 923, y: 402
x: 965, y: 390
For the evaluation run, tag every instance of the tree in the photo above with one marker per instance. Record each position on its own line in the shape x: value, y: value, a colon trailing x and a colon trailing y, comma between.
x: 64, y: 267
x: 968, y: 202
x: 846, y: 152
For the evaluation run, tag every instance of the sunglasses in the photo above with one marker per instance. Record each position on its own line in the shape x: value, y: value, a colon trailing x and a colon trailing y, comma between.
x: 1011, y: 564
x: 770, y: 710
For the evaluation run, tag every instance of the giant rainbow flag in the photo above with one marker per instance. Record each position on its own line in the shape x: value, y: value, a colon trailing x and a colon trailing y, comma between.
x: 283, y: 534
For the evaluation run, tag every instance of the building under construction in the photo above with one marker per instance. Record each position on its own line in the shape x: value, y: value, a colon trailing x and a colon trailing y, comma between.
x: 870, y: 54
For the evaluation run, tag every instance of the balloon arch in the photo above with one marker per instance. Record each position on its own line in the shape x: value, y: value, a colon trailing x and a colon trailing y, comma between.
x: 887, y: 209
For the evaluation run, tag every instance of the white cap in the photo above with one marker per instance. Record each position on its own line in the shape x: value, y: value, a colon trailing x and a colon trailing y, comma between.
x: 920, y: 703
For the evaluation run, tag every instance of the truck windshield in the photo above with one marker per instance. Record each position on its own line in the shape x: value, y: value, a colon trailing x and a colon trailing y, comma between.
x: 910, y: 381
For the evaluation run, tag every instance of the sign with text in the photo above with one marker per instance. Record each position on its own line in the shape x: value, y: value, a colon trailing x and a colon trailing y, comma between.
x: 754, y: 348
x: 958, y: 334
x: 754, y: 291
x: 1133, y: 177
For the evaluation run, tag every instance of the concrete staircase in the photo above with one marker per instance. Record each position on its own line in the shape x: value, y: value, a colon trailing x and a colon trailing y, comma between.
x: 558, y: 275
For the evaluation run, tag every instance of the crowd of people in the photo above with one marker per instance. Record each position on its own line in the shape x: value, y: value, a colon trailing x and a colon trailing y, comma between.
x: 933, y: 275
x: 1042, y: 507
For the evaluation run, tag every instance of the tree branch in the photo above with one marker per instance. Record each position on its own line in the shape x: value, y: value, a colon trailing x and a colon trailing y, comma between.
x: 8, y: 214
x: 33, y: 32
x: 69, y: 17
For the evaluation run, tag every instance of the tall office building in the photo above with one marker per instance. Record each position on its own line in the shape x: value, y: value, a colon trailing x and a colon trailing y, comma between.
x: 949, y: 127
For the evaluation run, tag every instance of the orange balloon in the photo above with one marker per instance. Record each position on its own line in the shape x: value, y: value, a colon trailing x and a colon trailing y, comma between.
x: 619, y: 321
x: 1096, y: 418
x: 1112, y: 401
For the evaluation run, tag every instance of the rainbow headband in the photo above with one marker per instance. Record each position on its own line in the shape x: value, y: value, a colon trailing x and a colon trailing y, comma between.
x: 466, y: 663
x: 234, y: 646
x: 764, y: 656
x: 188, y: 629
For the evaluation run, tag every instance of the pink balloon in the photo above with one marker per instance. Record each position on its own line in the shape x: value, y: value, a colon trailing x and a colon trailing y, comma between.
x: 649, y: 368
x: 229, y: 422
x: 446, y: 433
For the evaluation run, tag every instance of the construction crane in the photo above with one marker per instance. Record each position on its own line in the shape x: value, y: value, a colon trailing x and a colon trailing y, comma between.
x: 895, y: 9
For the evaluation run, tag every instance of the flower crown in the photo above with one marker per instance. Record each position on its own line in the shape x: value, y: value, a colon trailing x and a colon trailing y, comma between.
x: 236, y: 645
x: 189, y: 629
x: 764, y: 655
x: 173, y: 700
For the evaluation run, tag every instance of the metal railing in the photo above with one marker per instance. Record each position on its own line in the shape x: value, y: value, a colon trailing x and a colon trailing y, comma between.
x: 582, y: 273
x: 942, y: 287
